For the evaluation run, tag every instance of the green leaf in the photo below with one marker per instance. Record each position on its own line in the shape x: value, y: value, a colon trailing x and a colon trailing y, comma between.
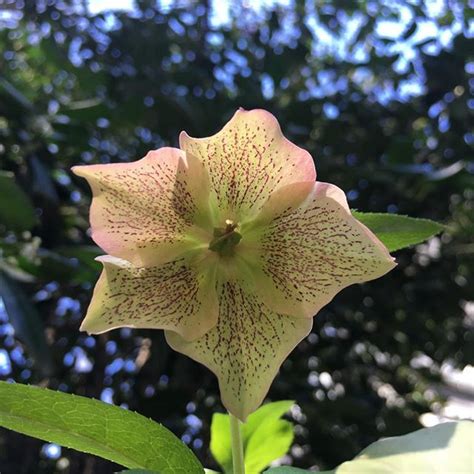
x: 87, y: 268
x: 265, y: 436
x: 443, y: 448
x: 94, y: 427
x: 397, y: 231
x: 16, y: 95
x: 410, y: 30
x: 270, y: 411
x: 43, y: 185
x: 137, y: 471
x: 288, y: 470
x: 26, y: 322
x: 16, y: 211
x: 220, y: 445
x: 271, y: 441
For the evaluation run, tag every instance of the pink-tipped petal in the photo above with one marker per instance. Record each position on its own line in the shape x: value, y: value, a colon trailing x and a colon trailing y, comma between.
x: 174, y: 296
x: 245, y: 349
x: 151, y: 210
x: 249, y: 159
x: 306, y: 254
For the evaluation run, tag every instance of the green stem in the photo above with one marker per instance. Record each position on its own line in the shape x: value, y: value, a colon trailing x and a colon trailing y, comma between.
x: 237, y: 445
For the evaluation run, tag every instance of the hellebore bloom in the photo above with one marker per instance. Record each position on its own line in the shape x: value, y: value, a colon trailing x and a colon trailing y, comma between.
x: 230, y: 246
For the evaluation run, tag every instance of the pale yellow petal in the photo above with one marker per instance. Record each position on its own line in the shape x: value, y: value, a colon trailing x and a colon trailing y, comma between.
x: 247, y: 160
x: 175, y: 295
x: 151, y: 210
x: 245, y: 349
x: 303, y: 255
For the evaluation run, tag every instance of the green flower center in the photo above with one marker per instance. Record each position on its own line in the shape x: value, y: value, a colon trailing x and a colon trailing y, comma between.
x: 225, y: 239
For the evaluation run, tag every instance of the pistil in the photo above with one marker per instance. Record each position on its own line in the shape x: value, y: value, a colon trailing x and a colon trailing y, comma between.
x: 225, y: 239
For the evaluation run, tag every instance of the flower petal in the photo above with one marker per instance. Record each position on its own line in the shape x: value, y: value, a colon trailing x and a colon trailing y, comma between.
x: 246, y: 347
x: 175, y: 295
x: 247, y: 160
x: 149, y: 211
x: 306, y: 251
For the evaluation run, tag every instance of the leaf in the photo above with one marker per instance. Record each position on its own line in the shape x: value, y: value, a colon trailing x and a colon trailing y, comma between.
x: 43, y: 184
x: 270, y: 411
x: 430, y: 172
x: 410, y: 30
x: 271, y: 441
x: 16, y: 272
x: 220, y: 446
x: 443, y: 448
x: 16, y: 95
x: 137, y: 471
x: 16, y: 211
x: 26, y: 322
x: 88, y: 110
x: 87, y: 268
x: 397, y: 231
x: 94, y: 427
x: 265, y: 436
x: 289, y: 470
x: 67, y: 264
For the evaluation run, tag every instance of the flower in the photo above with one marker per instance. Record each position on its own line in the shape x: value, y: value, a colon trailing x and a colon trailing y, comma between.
x: 230, y: 246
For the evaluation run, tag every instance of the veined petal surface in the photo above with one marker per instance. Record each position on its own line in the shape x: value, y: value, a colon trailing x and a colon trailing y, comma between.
x: 305, y: 248
x: 246, y: 347
x: 247, y: 160
x: 149, y: 211
x: 230, y: 246
x: 175, y: 295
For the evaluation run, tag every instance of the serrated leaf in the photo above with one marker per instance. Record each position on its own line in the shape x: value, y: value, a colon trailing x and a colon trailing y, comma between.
x: 16, y: 211
x: 265, y: 437
x: 396, y: 231
x: 445, y: 448
x: 94, y: 427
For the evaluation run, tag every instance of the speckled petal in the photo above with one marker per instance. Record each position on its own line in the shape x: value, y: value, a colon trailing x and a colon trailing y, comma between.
x: 151, y: 210
x: 303, y: 251
x: 247, y: 160
x: 175, y: 295
x: 246, y: 347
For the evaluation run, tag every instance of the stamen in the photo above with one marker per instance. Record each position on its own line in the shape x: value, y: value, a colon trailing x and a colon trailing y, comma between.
x: 225, y: 239
x: 230, y: 226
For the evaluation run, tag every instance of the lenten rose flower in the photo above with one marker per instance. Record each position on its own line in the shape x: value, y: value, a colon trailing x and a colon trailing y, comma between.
x: 229, y: 245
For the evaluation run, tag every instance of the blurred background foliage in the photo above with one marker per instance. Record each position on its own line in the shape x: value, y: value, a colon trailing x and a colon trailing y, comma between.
x: 377, y: 91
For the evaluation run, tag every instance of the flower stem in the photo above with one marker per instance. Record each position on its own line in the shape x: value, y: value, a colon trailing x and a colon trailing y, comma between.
x: 237, y: 445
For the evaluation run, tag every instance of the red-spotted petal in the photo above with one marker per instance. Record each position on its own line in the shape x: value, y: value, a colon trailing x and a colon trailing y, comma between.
x: 305, y: 248
x: 175, y: 295
x: 246, y: 347
x: 247, y: 160
x: 151, y: 210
